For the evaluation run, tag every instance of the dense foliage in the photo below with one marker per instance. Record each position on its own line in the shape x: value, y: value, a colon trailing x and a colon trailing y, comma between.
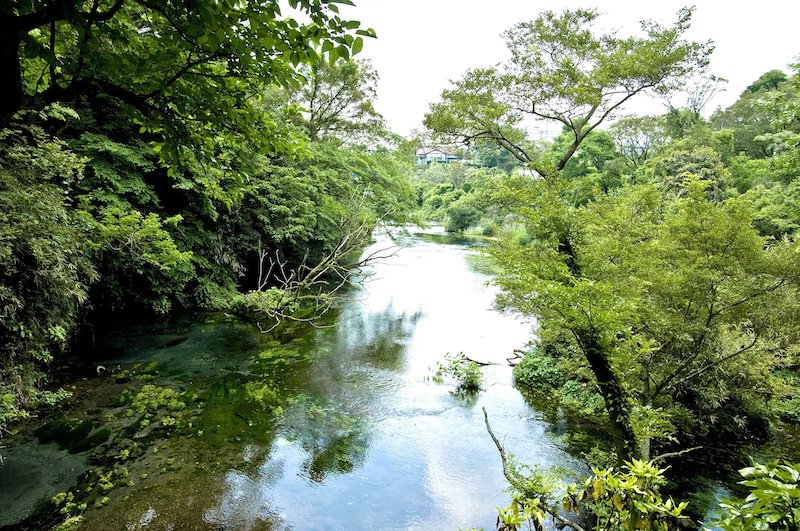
x: 156, y: 158
x: 659, y: 254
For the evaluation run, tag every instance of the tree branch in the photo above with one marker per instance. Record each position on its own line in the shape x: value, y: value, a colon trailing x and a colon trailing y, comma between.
x: 669, y: 455
x: 514, y: 479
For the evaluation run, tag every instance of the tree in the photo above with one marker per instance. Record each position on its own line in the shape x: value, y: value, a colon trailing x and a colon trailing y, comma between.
x: 672, y: 300
x: 767, y: 81
x: 638, y: 138
x: 561, y: 70
x: 187, y: 75
x: 141, y: 170
x: 338, y: 102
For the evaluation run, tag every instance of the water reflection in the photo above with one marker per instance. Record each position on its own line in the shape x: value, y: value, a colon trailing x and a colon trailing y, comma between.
x: 379, y: 445
x: 332, y: 428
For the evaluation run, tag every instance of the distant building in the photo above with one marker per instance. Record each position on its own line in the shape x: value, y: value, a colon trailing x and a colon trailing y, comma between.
x: 429, y: 155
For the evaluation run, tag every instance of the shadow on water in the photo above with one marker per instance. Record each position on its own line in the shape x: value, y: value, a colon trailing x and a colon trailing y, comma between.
x: 213, y: 425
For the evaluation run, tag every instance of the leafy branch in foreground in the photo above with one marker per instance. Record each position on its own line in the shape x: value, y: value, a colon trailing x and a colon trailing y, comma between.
x: 614, y: 499
x: 772, y: 503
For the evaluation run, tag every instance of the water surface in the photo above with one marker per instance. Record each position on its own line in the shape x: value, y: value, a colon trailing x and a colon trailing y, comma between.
x: 359, y: 437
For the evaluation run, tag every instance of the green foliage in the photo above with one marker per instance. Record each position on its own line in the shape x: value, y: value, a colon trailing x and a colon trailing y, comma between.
x: 337, y: 103
x: 186, y: 76
x: 767, y: 81
x: 638, y: 138
x: 44, y: 269
x: 638, y: 261
x: 266, y: 395
x: 465, y: 372
x: 255, y: 305
x: 676, y: 166
x: 151, y: 398
x: 457, y: 195
x: 615, y: 499
x: 462, y: 215
x: 185, y: 161
x: 628, y: 500
x: 562, y: 70
x: 139, y: 261
x: 579, y: 399
x: 538, y: 370
x: 772, y: 502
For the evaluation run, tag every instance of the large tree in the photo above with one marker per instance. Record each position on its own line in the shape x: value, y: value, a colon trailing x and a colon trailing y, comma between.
x: 186, y: 70
x: 561, y: 70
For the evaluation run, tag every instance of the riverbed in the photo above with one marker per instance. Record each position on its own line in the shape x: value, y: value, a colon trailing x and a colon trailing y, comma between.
x: 341, y: 425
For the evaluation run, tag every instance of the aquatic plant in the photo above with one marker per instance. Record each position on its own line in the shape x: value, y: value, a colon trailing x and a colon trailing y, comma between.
x: 466, y: 372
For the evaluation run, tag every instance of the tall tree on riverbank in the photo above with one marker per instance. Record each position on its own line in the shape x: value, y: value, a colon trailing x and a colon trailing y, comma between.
x: 562, y: 70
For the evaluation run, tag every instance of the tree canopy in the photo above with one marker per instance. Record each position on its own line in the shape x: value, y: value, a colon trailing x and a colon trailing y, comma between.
x: 562, y: 70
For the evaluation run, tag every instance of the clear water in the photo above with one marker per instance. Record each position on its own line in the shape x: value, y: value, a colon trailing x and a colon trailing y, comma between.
x: 367, y: 439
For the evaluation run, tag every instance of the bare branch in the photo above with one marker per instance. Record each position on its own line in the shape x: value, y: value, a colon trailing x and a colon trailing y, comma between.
x: 514, y: 478
x: 669, y: 455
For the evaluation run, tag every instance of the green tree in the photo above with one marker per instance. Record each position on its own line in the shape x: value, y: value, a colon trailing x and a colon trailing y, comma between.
x: 45, y: 271
x: 766, y: 81
x: 338, y: 102
x: 638, y: 138
x: 748, y: 117
x: 664, y: 294
x: 161, y: 49
x: 561, y: 70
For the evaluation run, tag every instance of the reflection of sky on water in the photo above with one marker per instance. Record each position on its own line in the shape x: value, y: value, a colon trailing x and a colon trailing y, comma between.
x: 427, y: 461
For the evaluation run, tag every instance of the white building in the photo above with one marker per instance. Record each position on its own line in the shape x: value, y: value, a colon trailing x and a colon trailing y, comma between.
x: 429, y: 155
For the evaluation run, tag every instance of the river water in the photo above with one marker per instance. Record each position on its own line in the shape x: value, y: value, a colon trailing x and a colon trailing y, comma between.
x: 338, y: 427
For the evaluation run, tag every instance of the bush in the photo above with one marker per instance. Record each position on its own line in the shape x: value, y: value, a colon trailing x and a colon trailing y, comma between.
x: 466, y: 372
x: 538, y: 370
x: 461, y: 215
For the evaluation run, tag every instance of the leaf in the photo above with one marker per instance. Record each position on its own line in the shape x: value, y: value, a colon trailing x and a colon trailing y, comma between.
x: 358, y: 44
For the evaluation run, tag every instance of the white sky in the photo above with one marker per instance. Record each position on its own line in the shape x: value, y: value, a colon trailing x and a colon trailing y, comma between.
x: 422, y: 44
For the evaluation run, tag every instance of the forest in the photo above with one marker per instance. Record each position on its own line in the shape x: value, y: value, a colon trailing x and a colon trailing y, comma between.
x: 224, y: 162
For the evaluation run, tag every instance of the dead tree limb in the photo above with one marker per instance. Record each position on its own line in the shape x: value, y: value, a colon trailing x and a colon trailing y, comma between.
x: 515, y: 479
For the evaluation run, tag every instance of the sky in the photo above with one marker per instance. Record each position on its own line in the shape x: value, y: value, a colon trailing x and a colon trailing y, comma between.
x: 423, y: 44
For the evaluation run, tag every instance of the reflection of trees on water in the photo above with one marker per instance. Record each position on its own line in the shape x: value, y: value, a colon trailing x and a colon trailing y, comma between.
x: 327, y: 407
x: 332, y: 420
x: 376, y: 339
x: 334, y: 439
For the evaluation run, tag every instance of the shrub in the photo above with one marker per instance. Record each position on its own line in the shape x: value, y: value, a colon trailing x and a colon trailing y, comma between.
x: 466, y: 372
x: 538, y: 370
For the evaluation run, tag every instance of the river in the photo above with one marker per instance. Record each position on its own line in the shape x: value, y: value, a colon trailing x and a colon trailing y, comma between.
x: 334, y: 427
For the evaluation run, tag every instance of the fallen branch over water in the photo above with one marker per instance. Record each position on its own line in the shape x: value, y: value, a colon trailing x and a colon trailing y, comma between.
x: 516, y: 480
x: 518, y: 355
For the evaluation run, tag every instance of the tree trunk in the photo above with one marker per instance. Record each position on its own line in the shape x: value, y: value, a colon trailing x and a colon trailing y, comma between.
x: 614, y: 395
x: 11, y: 87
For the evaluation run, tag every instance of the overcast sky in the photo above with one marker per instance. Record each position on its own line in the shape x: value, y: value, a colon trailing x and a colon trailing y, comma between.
x: 422, y: 44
